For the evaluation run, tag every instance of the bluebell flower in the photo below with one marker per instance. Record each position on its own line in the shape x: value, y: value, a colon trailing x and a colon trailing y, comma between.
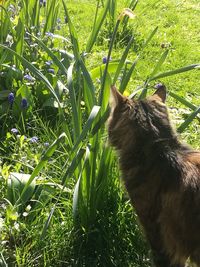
x: 24, y: 103
x: 58, y: 20
x: 49, y: 34
x: 28, y: 77
x: 14, y: 131
x: 43, y: 2
x: 104, y: 60
x: 159, y: 85
x: 34, y: 139
x: 49, y: 62
x: 52, y: 71
x: 46, y: 144
x: 11, y: 98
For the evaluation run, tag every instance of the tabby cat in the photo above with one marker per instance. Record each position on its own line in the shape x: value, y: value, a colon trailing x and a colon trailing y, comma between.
x: 161, y: 175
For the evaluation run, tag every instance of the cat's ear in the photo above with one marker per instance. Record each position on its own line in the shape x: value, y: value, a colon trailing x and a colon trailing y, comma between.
x: 116, y: 98
x: 160, y: 94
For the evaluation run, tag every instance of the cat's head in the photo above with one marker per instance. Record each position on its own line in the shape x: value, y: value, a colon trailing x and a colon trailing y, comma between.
x: 131, y: 120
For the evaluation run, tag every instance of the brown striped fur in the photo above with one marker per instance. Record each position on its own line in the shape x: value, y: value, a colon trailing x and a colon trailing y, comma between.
x: 161, y: 175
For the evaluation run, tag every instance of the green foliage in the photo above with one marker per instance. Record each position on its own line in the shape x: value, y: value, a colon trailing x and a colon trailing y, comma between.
x: 51, y: 89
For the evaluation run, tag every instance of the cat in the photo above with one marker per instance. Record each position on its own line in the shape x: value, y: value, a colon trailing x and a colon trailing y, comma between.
x: 161, y: 175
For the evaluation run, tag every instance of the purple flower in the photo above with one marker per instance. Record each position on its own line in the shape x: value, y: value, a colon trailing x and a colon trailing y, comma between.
x: 11, y: 98
x: 49, y: 34
x: 14, y: 131
x: 104, y: 60
x: 24, y: 103
x: 159, y: 85
x: 49, y: 62
x: 43, y: 2
x: 28, y: 78
x: 34, y: 139
x: 58, y: 20
x: 46, y: 144
x: 52, y: 71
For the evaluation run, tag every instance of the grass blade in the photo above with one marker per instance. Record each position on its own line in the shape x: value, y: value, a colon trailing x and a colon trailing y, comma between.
x: 183, y: 101
x: 105, y: 73
x: 186, y: 123
x: 122, y: 60
x: 87, y: 126
x: 126, y: 78
x: 5, y: 25
x: 73, y: 34
x: 97, y: 27
x: 159, y: 64
x: 50, y: 17
x: 176, y: 71
x: 74, y: 163
x: 89, y: 89
x: 76, y: 114
x: 20, y: 35
x: 101, y: 121
x: 150, y: 38
x: 46, y: 226
x: 77, y: 192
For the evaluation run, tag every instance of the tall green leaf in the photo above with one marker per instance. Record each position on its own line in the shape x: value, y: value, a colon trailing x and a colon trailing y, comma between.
x: 97, y: 27
x: 122, y: 60
x: 74, y: 104
x: 159, y: 64
x: 51, y: 16
x: 77, y: 196
x: 89, y: 88
x: 176, y: 71
x: 73, y: 165
x: 183, y: 101
x: 186, y: 123
x: 87, y: 126
x: 73, y: 34
x: 126, y: 77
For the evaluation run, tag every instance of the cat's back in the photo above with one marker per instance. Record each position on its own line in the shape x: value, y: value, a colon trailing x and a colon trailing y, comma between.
x: 191, y: 169
x: 180, y: 214
x: 193, y: 158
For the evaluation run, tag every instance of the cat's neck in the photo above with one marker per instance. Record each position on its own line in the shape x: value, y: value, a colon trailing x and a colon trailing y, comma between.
x: 145, y: 159
x: 148, y: 143
x: 138, y: 152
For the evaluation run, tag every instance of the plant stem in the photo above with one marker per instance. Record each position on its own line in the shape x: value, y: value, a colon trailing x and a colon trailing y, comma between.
x: 107, y: 62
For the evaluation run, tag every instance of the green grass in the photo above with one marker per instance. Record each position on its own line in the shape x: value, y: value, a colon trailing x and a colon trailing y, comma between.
x: 89, y: 222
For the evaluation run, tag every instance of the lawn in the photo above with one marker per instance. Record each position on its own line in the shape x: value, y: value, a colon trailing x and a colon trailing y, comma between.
x: 61, y: 200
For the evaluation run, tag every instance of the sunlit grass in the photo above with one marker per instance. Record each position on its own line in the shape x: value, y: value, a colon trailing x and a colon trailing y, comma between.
x: 80, y: 215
